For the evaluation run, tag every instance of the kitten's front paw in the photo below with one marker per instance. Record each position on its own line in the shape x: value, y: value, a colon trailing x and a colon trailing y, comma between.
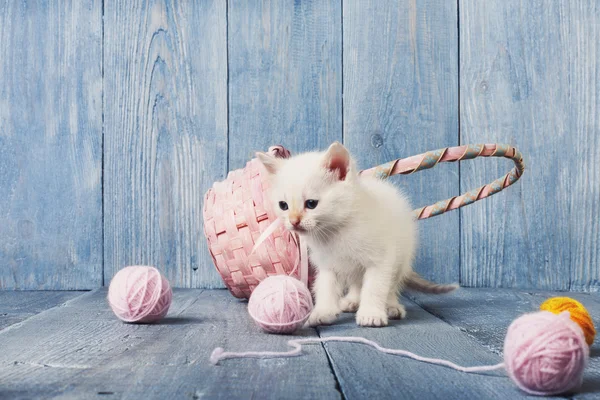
x: 396, y: 311
x: 322, y: 317
x: 348, y: 305
x: 371, y: 318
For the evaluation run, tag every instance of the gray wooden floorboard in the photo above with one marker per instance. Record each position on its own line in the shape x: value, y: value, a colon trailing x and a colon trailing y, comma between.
x: 364, y: 373
x: 17, y: 306
x: 485, y: 315
x: 81, y: 350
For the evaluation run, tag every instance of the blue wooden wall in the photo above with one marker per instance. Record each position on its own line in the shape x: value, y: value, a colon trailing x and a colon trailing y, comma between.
x: 117, y: 116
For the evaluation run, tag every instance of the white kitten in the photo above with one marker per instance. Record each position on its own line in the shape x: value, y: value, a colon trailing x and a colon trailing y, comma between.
x: 360, y: 231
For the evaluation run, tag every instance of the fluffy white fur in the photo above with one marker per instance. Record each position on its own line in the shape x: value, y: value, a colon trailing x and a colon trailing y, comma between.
x: 361, y: 235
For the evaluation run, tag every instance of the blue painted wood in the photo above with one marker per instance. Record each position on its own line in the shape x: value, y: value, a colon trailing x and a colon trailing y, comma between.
x: 93, y: 353
x: 165, y: 127
x: 401, y: 99
x: 285, y: 76
x: 530, y: 77
x: 50, y: 145
x: 485, y: 315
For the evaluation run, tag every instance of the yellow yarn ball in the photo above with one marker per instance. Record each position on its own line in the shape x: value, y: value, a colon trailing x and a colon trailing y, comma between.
x: 578, y: 313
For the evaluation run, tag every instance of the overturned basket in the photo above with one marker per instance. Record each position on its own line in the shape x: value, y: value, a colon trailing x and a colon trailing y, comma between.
x: 238, y: 211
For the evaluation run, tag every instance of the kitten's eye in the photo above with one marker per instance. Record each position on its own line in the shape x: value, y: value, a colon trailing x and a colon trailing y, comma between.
x: 311, y: 204
x: 283, y: 205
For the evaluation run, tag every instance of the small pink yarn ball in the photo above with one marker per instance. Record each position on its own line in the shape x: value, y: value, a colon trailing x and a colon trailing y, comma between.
x: 545, y: 353
x: 139, y: 294
x: 280, y: 304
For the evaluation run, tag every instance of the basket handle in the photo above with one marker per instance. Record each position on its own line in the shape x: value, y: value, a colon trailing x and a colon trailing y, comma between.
x: 430, y: 159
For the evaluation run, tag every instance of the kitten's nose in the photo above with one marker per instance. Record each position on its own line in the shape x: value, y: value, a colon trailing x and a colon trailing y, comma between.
x: 295, y: 221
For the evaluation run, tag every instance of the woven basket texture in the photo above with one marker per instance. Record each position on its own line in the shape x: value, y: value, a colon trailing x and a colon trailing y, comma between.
x: 236, y: 211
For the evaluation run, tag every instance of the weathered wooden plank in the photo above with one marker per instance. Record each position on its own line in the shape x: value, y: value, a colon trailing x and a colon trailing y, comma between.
x: 81, y: 350
x: 165, y: 69
x: 401, y: 99
x: 16, y: 306
x: 483, y: 314
x: 50, y: 145
x: 285, y: 76
x: 486, y: 314
x: 364, y: 373
x: 529, y: 77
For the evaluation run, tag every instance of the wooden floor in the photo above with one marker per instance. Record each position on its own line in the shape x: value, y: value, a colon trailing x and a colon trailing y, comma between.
x: 68, y: 345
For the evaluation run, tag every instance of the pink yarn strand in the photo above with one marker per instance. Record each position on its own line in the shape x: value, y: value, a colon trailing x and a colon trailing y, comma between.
x: 268, y: 232
x: 303, y: 262
x: 219, y: 354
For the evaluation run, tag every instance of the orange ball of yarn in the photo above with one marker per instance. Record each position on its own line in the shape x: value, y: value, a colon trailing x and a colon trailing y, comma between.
x: 578, y: 313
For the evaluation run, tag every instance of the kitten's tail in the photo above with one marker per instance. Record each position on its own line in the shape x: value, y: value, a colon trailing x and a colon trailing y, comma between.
x: 416, y: 282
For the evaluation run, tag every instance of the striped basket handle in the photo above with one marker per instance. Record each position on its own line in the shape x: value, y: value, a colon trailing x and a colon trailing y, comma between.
x: 430, y: 159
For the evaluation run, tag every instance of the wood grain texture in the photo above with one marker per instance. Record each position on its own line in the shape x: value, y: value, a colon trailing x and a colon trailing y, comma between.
x: 529, y: 77
x: 165, y: 69
x: 364, y: 373
x: 485, y: 315
x: 17, y: 306
x: 50, y: 145
x: 81, y: 350
x: 401, y: 99
x: 285, y: 76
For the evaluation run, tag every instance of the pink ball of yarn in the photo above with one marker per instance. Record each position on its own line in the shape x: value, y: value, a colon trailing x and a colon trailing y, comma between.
x: 545, y: 353
x: 280, y: 304
x: 139, y: 294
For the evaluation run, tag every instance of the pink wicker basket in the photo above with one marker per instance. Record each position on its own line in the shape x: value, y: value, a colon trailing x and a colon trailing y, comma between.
x: 238, y: 211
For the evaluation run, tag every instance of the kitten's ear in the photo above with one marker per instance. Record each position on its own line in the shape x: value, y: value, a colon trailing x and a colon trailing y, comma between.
x: 270, y: 163
x: 337, y: 160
